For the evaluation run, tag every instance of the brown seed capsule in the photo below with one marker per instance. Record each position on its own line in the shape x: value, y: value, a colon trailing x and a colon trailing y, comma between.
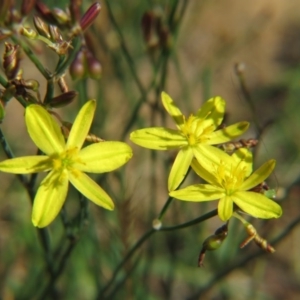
x: 62, y: 85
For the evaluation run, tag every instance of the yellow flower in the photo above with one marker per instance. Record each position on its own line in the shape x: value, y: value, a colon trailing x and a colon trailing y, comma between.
x: 194, y: 136
x: 66, y: 161
x: 231, y: 181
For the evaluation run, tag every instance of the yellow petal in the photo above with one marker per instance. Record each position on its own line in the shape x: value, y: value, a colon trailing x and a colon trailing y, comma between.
x: 158, y: 138
x: 180, y: 168
x: 244, y: 158
x: 257, y: 205
x: 50, y: 198
x: 214, y: 109
x: 225, y: 208
x: 198, y: 193
x: 210, y: 156
x: 90, y: 189
x: 204, y: 173
x: 228, y: 133
x: 172, y: 109
x: 43, y: 130
x: 103, y: 157
x: 259, y: 175
x: 81, y: 125
x: 26, y: 164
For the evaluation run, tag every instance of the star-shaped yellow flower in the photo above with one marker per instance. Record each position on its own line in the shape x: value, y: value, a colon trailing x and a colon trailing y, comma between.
x: 66, y: 161
x: 194, y: 136
x: 231, y: 181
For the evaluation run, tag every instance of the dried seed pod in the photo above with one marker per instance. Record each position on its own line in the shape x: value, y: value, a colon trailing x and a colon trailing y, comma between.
x: 11, y: 61
x: 55, y: 34
x: 62, y: 84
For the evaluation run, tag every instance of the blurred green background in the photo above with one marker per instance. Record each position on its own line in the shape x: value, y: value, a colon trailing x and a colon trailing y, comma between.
x: 195, y: 58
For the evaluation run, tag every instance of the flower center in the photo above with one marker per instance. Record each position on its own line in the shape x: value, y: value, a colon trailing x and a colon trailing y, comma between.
x: 64, y: 160
x: 197, y: 130
x: 230, y: 179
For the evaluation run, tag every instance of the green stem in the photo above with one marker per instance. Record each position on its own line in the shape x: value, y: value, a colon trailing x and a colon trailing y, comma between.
x: 3, y: 81
x: 198, y: 220
x: 145, y: 237
x: 32, y: 57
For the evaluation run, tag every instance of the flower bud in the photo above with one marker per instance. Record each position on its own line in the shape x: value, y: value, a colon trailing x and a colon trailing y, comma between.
x: 27, y: 6
x: 93, y: 65
x: 55, y: 34
x: 63, y: 99
x: 75, y: 10
x: 31, y: 84
x: 45, y: 12
x: 41, y: 27
x: 61, y: 16
x: 77, y: 68
x: 148, y: 24
x: 11, y: 60
x: 90, y: 15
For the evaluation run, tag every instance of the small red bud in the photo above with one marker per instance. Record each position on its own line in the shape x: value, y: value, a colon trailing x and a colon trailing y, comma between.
x: 77, y: 68
x: 90, y: 15
x: 94, y: 66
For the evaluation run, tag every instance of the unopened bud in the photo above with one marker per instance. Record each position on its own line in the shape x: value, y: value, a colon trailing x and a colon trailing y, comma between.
x: 61, y: 16
x: 55, y: 34
x: 27, y: 6
x: 32, y: 84
x: 45, y: 12
x: 75, y: 10
x: 149, y: 25
x: 41, y: 27
x: 93, y: 65
x: 11, y: 60
x: 63, y: 99
x: 77, y: 68
x: 92, y: 138
x: 90, y: 15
